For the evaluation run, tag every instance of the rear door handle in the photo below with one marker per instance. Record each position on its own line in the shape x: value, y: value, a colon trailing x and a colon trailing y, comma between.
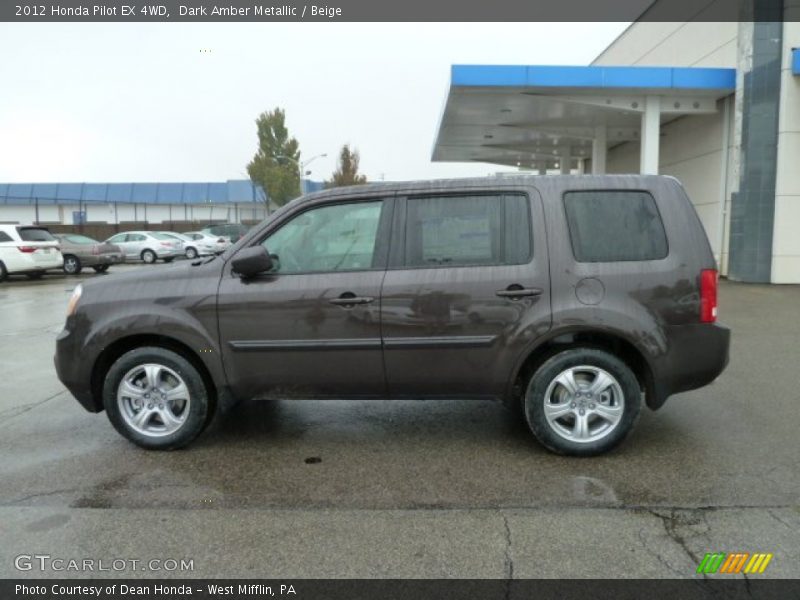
x: 517, y: 291
x: 350, y: 299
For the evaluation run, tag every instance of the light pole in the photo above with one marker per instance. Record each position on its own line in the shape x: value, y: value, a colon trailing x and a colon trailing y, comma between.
x: 301, y: 167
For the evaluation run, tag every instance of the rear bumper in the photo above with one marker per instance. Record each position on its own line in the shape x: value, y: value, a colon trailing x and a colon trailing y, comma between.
x: 27, y: 264
x: 102, y: 259
x: 697, y: 355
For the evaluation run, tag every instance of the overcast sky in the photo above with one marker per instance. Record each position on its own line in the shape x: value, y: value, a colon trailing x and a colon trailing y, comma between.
x: 141, y: 102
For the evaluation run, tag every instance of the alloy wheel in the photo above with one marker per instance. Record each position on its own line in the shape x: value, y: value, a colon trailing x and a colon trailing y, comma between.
x: 153, y: 400
x: 584, y: 404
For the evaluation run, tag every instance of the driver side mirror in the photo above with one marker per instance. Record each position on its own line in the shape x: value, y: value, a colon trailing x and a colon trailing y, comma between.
x: 252, y: 261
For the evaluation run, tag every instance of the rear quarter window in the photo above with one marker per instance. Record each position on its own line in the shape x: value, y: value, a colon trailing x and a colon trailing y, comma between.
x: 614, y: 225
x: 4, y: 237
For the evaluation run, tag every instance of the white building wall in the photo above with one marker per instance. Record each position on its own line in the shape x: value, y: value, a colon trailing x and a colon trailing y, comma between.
x: 691, y: 148
x: 690, y: 44
x: 786, y: 239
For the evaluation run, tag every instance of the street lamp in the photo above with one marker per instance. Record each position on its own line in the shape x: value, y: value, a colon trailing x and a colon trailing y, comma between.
x: 301, y: 167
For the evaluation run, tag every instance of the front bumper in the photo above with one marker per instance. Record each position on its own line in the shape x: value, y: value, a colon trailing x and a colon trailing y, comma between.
x: 72, y: 368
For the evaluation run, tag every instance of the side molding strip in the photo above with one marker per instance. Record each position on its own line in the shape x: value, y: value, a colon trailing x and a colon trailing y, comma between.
x: 332, y: 344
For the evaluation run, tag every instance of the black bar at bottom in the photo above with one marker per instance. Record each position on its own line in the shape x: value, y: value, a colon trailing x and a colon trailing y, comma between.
x: 396, y: 589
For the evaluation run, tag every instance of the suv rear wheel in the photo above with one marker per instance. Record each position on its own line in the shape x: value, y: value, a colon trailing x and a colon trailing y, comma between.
x: 582, y: 402
x: 156, y: 398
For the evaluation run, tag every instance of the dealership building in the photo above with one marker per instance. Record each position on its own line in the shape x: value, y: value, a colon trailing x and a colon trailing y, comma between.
x: 716, y: 105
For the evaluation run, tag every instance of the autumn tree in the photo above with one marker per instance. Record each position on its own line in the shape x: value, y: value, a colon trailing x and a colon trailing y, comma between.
x: 275, y: 164
x: 347, y: 171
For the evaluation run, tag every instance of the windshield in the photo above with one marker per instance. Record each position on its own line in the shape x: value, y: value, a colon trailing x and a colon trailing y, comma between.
x: 79, y: 239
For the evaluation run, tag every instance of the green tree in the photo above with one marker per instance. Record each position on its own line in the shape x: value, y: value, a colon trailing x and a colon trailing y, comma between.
x: 347, y: 171
x: 275, y: 164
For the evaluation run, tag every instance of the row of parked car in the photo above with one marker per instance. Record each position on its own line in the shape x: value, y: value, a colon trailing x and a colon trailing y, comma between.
x: 32, y: 250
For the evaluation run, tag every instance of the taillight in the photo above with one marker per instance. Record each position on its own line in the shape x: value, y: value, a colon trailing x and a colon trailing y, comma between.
x: 27, y: 249
x: 708, y: 295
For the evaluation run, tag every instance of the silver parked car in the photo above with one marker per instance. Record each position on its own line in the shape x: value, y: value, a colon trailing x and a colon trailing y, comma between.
x: 148, y: 246
x: 181, y: 240
x: 204, y: 243
x: 80, y: 251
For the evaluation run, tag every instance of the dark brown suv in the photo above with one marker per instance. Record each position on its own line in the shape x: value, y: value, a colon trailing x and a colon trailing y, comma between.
x: 576, y: 298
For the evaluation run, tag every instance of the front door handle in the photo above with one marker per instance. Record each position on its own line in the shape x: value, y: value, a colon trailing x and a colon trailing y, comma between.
x: 349, y: 299
x: 517, y: 291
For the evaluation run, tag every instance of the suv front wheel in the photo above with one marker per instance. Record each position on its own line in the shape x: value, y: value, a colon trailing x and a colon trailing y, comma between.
x: 156, y: 398
x: 582, y: 402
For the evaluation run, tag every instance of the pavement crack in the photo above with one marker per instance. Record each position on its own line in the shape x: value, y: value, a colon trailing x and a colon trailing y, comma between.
x: 779, y: 520
x: 16, y: 411
x: 673, y: 522
x: 39, y: 495
x: 655, y: 554
x: 509, y: 561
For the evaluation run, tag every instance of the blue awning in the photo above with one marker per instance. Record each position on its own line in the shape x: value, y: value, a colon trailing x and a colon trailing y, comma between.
x: 534, y: 115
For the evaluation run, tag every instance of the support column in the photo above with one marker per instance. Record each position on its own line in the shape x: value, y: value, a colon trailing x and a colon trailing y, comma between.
x: 651, y: 126
x: 565, y: 162
x: 599, y: 150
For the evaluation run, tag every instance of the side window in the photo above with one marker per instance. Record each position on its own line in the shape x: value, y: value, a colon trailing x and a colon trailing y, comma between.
x: 619, y: 225
x: 136, y: 237
x: 4, y: 237
x: 338, y: 237
x: 117, y: 239
x: 468, y: 230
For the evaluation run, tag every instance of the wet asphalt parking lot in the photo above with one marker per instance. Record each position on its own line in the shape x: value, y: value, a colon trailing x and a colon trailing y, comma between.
x: 405, y: 488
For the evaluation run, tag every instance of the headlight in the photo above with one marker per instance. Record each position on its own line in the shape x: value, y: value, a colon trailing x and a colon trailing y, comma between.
x: 72, y: 305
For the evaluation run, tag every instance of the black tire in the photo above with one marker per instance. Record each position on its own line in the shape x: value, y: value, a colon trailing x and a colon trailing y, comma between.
x: 149, y: 256
x: 72, y: 265
x: 100, y: 268
x: 540, y: 381
x: 191, y: 253
x: 3, y: 272
x: 35, y: 276
x: 169, y: 260
x: 200, y: 408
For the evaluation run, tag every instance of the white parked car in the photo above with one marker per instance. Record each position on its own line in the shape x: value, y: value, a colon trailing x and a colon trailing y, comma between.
x: 182, y: 241
x: 28, y: 249
x: 148, y: 246
x: 205, y: 243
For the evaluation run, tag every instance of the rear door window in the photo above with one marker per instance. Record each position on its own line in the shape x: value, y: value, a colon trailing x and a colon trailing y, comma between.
x: 614, y: 225
x: 35, y: 234
x: 464, y: 230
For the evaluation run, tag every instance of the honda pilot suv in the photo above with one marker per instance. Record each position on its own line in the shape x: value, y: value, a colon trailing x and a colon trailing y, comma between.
x: 576, y: 299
